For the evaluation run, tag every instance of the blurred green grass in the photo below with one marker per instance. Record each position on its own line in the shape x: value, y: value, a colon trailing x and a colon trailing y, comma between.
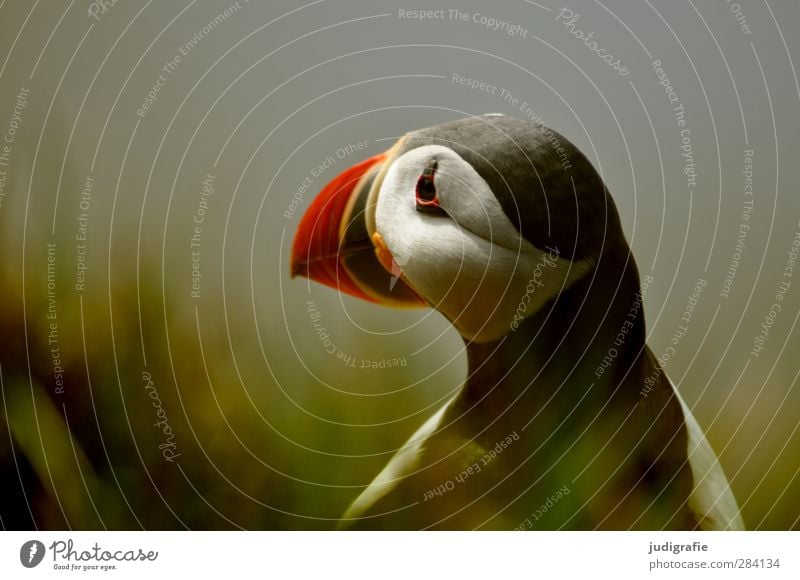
x: 89, y: 458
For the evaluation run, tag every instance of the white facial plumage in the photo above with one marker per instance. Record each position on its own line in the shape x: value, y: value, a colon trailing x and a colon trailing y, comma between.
x: 472, y: 264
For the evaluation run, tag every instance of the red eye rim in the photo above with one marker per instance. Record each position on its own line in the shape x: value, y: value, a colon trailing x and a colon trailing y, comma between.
x: 426, y: 184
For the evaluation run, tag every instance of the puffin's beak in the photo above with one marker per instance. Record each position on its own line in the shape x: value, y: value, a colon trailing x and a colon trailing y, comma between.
x: 333, y: 245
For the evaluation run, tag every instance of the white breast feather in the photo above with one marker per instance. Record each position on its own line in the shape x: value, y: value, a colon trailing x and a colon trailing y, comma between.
x: 403, y: 463
x: 712, y: 499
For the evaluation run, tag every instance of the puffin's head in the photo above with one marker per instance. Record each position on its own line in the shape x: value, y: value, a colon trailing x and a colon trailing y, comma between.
x: 485, y: 219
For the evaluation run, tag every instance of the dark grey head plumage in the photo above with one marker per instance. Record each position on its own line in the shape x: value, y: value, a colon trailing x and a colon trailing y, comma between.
x: 545, y: 185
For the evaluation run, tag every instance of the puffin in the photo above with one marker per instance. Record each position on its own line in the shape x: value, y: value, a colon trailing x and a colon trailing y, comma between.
x: 566, y: 420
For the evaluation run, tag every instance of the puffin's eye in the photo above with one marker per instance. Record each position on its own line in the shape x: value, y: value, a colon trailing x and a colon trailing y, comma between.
x: 427, y: 199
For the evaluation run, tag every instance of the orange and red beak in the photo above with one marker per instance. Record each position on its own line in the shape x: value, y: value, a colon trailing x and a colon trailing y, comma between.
x: 333, y: 244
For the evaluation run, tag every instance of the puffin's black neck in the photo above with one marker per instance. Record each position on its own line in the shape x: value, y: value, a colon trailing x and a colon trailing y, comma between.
x: 569, y: 382
x: 588, y: 344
